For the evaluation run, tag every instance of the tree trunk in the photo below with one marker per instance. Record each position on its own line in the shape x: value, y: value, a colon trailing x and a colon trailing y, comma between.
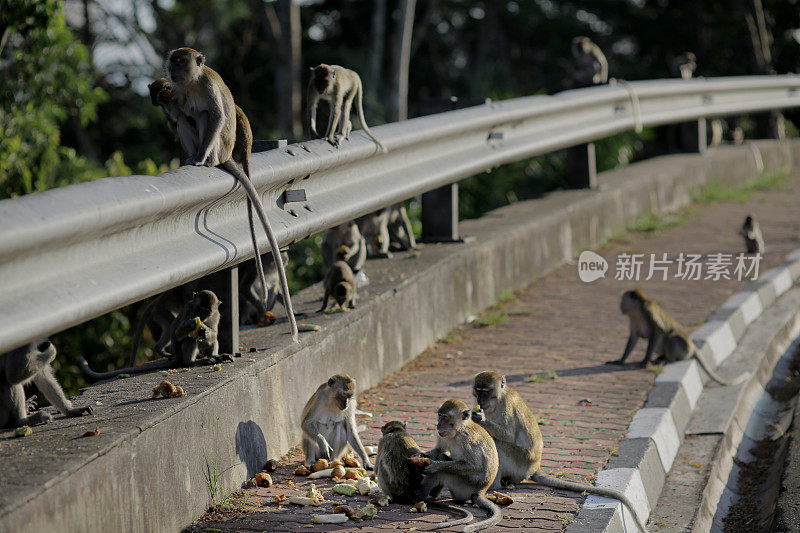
x: 287, y: 71
x: 378, y: 39
x: 402, y: 60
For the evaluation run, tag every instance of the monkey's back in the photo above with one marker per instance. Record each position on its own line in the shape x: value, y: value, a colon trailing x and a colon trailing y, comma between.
x: 395, y: 474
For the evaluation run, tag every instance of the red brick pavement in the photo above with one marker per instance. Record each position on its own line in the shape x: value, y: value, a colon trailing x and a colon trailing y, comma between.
x: 556, y: 324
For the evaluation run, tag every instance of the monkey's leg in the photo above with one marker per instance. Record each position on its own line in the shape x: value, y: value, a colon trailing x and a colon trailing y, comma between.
x: 632, y: 339
x: 137, y: 335
x: 347, y: 126
x: 312, y: 103
x: 47, y: 383
x: 324, y: 302
x: 14, y: 398
x: 333, y: 123
x: 234, y: 169
x: 410, y: 241
x: 651, y: 344
x: 310, y: 451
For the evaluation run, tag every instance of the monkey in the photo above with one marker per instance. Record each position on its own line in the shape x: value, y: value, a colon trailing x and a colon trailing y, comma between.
x: 375, y: 229
x: 193, y: 332
x: 162, y: 95
x: 341, y: 285
x: 18, y: 368
x: 515, y: 429
x: 464, y: 461
x: 665, y: 336
x: 753, y: 240
x: 329, y: 422
x: 345, y: 243
x: 401, y: 234
x: 338, y: 86
x: 251, y: 305
x: 397, y: 476
x: 590, y: 64
x: 684, y: 65
x: 220, y: 133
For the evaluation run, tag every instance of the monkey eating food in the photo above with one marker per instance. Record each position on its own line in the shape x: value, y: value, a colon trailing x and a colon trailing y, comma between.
x: 341, y: 285
x: 665, y: 336
x: 329, y: 422
x: 27, y: 364
x: 753, y: 240
x: 338, y: 86
x: 515, y: 430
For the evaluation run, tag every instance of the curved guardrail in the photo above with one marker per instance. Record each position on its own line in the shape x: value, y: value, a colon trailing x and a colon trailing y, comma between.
x: 68, y: 255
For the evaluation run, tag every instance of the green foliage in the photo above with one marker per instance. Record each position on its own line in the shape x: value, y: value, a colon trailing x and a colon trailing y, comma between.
x: 45, y: 79
x: 718, y: 191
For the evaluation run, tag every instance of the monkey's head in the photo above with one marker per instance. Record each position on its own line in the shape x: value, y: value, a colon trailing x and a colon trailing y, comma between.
x: 395, y: 426
x: 185, y: 65
x: 748, y: 221
x: 322, y: 77
x: 204, y: 303
x: 343, y: 387
x: 453, y: 415
x: 581, y: 46
x: 632, y: 301
x: 161, y: 84
x: 488, y: 388
x: 342, y: 292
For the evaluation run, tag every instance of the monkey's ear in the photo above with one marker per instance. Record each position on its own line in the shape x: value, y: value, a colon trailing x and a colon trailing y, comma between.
x: 503, y: 382
x: 331, y: 381
x: 200, y: 60
x: 465, y: 414
x: 404, y: 425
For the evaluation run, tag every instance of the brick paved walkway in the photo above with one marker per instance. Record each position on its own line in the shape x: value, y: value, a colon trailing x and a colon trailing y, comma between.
x: 556, y: 324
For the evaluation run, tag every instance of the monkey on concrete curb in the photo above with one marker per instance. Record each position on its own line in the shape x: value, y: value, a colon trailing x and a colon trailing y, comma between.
x: 214, y: 131
x: 338, y: 86
x: 400, y: 478
x: 329, y: 422
x: 753, y: 240
x: 515, y: 429
x: 18, y: 368
x: 354, y: 253
x: 665, y: 336
x: 464, y: 461
x: 375, y: 229
x: 341, y: 285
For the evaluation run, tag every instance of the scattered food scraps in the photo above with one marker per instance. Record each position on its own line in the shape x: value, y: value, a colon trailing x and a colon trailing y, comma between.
x: 263, y: 479
x: 419, y: 507
x: 344, y: 509
x: 419, y: 460
x: 328, y: 518
x: 267, y: 319
x: 499, y: 498
x: 345, y: 489
x: 302, y: 471
x: 271, y: 465
x: 24, y: 431
x: 168, y: 390
x: 92, y: 432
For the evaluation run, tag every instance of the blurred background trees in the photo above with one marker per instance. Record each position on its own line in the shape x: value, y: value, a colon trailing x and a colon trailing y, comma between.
x: 73, y: 77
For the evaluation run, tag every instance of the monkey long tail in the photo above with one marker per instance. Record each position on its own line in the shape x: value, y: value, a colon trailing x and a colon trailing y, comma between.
x: 713, y: 375
x: 494, y: 514
x: 137, y: 336
x: 158, y: 364
x: 467, y: 516
x: 234, y: 169
x: 360, y: 104
x: 257, y: 258
x: 562, y: 484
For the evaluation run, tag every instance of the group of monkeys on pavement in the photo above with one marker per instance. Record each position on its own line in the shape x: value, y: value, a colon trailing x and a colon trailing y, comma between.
x: 496, y: 444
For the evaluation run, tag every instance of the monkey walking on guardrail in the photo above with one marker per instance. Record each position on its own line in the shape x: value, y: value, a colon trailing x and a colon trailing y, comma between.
x: 338, y: 86
x: 216, y: 132
x: 665, y: 336
x: 18, y: 368
x: 515, y: 429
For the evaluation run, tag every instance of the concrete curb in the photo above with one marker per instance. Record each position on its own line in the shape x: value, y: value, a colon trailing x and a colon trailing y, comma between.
x: 656, y: 431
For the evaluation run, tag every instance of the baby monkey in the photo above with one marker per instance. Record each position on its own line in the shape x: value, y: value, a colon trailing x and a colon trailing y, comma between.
x: 338, y: 86
x: 18, y: 368
x: 753, y: 240
x: 399, y: 477
x: 665, y: 336
x: 329, y: 422
x: 341, y: 285
x: 504, y: 415
x: 464, y: 461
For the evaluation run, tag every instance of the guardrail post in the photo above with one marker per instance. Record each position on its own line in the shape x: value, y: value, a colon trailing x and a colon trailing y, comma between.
x: 225, y: 284
x: 581, y: 167
x: 440, y: 214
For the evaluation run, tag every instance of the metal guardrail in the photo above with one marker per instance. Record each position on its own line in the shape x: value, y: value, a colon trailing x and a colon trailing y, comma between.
x: 68, y: 255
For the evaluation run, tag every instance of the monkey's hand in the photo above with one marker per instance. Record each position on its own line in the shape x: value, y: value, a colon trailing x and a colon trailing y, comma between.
x: 433, y: 468
x: 31, y: 404
x: 324, y: 448
x: 478, y: 416
x: 368, y: 465
x: 164, y: 96
x: 78, y: 411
